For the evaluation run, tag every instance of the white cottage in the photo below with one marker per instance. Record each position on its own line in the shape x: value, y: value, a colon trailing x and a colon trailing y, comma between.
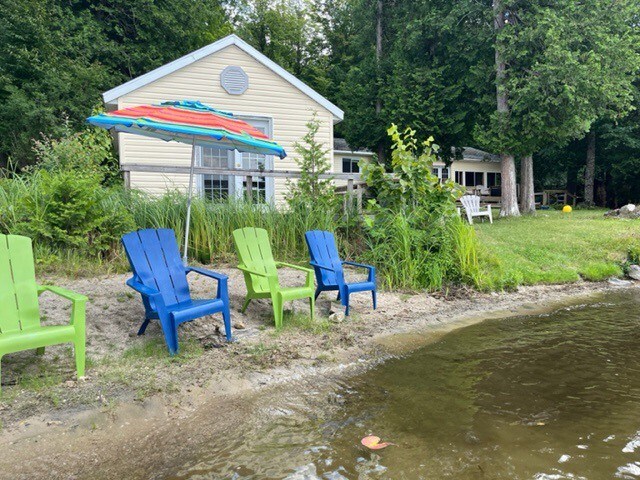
x: 229, y: 75
x: 477, y: 170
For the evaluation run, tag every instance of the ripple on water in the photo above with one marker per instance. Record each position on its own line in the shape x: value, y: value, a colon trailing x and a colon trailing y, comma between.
x: 505, y: 399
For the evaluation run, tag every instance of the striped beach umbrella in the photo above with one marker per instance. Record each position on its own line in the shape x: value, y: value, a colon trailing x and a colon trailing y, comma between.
x: 189, y: 122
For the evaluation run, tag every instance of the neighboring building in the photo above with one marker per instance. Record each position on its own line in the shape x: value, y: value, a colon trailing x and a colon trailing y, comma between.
x: 347, y: 160
x: 230, y: 75
x: 477, y: 170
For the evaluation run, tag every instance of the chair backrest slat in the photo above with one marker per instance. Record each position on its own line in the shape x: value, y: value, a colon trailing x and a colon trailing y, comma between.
x: 155, y: 260
x: 323, y: 251
x: 254, y: 251
x: 471, y: 203
x: 19, y: 308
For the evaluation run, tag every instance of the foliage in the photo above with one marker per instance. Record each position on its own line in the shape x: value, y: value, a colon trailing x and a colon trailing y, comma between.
x: 57, y: 57
x: 64, y: 210
x: 212, y: 224
x: 413, y: 228
x: 310, y: 189
x: 568, y: 65
x: 634, y: 254
x: 618, y: 162
x: 413, y: 185
x: 283, y: 31
x: 62, y: 203
x: 88, y: 152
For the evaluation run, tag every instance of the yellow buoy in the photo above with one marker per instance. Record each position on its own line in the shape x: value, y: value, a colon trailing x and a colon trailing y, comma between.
x: 567, y: 209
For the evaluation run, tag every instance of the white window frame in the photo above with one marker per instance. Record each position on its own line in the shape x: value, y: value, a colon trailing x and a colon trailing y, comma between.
x: 440, y: 169
x: 236, y: 187
x: 351, y: 160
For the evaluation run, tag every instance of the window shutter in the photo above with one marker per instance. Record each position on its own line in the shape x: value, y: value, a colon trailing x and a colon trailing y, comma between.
x: 234, y: 80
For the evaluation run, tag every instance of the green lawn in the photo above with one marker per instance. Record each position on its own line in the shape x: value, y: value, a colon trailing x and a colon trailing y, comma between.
x: 555, y: 247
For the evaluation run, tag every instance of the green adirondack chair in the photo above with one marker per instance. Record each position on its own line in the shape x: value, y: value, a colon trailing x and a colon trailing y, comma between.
x: 261, y: 272
x: 20, y: 327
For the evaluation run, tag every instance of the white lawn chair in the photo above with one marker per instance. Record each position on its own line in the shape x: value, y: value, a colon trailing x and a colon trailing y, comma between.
x: 471, y: 204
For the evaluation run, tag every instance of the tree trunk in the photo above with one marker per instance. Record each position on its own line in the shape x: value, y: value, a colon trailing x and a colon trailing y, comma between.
x: 590, y: 172
x: 527, y: 197
x: 379, y: 13
x: 509, y: 188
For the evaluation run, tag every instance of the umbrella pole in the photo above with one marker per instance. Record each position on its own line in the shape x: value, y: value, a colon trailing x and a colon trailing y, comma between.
x: 186, y: 228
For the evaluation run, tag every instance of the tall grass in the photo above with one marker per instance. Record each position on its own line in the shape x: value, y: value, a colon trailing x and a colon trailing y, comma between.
x: 212, y: 224
x: 406, y: 257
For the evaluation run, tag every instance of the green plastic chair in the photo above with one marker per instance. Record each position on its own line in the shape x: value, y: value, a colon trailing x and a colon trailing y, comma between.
x: 20, y: 327
x: 261, y: 272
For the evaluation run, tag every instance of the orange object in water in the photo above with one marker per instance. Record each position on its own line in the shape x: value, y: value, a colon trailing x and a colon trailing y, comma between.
x: 373, y: 442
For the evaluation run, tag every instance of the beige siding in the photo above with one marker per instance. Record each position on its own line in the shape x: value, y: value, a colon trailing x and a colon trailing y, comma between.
x: 337, y: 162
x: 471, y: 166
x: 268, y: 95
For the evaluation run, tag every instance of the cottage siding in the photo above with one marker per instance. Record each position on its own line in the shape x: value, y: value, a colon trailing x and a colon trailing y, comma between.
x: 339, y: 156
x: 471, y: 166
x: 268, y: 95
x: 475, y: 166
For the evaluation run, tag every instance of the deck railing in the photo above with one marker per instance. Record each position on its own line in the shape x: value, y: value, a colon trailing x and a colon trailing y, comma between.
x: 352, y: 190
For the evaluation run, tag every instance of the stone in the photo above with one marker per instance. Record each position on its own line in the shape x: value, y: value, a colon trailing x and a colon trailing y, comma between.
x: 337, y: 317
x: 616, y: 282
x: 336, y: 307
x: 239, y: 325
x: 630, y: 208
x: 634, y: 272
x: 628, y: 211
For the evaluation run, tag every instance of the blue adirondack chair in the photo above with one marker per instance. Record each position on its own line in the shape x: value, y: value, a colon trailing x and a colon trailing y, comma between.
x: 161, y: 279
x: 328, y: 267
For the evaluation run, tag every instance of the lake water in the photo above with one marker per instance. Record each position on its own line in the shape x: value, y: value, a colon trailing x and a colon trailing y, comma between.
x: 552, y: 396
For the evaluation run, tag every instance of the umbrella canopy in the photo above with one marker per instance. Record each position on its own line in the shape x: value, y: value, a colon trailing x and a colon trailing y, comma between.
x: 189, y: 122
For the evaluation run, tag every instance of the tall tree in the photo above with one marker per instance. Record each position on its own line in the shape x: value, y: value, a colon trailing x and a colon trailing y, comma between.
x: 590, y: 170
x: 284, y: 31
x: 527, y: 190
x: 56, y: 57
x: 509, y: 201
x: 566, y: 66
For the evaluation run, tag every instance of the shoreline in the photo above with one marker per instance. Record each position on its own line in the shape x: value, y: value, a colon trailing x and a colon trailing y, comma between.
x: 261, y: 365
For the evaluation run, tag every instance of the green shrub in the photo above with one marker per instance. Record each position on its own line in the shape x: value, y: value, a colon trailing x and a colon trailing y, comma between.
x: 310, y: 191
x: 67, y: 211
x: 87, y: 153
x: 415, y: 235
x: 62, y: 202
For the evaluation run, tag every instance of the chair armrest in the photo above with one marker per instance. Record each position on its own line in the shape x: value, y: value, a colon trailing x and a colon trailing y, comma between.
x: 308, y: 271
x: 354, y: 264
x: 223, y: 289
x: 324, y: 267
x: 371, y: 268
x: 297, y: 267
x: 142, y: 289
x: 62, y: 292
x: 252, y: 272
x: 207, y: 273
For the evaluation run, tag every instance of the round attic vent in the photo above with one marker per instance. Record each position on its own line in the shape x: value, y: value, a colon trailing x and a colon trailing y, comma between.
x: 234, y: 80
